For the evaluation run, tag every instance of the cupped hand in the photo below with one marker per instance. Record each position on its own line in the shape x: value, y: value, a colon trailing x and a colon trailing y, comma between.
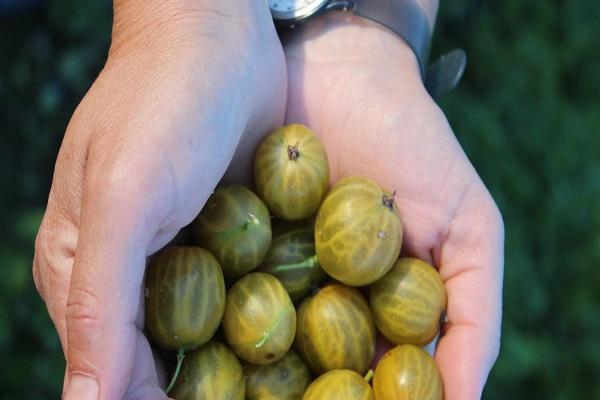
x: 184, y: 84
x: 358, y: 86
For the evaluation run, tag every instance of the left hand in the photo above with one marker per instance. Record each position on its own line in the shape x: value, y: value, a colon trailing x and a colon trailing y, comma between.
x: 188, y: 86
x: 358, y: 86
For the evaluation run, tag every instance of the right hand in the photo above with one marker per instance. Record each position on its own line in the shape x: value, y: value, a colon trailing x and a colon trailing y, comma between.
x: 360, y: 84
x: 185, y: 83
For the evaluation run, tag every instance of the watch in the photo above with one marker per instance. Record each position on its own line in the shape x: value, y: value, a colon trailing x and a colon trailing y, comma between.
x: 404, y: 17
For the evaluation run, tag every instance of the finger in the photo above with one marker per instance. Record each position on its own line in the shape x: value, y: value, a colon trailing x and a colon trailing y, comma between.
x: 106, y: 284
x: 161, y: 371
x: 148, y: 378
x: 57, y: 237
x: 471, y: 263
x: 52, y: 264
x: 145, y: 381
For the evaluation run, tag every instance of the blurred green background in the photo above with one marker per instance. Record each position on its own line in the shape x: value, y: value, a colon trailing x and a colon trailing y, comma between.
x: 527, y: 114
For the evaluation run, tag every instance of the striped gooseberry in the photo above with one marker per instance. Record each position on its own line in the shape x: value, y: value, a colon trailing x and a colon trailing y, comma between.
x: 408, y: 301
x: 285, y: 379
x: 407, y: 372
x: 358, y: 232
x: 235, y: 226
x: 260, y: 319
x: 291, y: 172
x: 336, y: 330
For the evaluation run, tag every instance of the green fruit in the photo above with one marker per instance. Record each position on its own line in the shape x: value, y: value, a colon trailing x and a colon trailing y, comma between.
x: 408, y: 301
x: 292, y: 260
x: 212, y: 372
x: 339, y: 384
x: 336, y: 330
x: 260, y: 319
x: 185, y: 297
x: 407, y: 372
x: 291, y: 172
x: 235, y: 226
x: 285, y: 379
x: 358, y: 232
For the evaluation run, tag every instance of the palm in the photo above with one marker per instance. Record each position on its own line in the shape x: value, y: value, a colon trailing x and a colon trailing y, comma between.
x: 358, y: 86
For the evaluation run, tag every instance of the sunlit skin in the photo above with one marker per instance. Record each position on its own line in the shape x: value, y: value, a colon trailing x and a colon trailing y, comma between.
x: 155, y: 134
x: 140, y: 157
x: 358, y: 86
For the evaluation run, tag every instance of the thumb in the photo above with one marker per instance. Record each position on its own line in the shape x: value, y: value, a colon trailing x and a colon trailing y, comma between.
x: 105, y: 290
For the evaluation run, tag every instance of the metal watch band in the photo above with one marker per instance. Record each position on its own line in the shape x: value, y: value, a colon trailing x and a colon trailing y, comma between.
x: 405, y: 18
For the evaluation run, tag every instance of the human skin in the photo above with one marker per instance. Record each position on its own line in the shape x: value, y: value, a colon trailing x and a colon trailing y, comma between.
x: 185, y: 82
x: 159, y: 128
x: 358, y: 86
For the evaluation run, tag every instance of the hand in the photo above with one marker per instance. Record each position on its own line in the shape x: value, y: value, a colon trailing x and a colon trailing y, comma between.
x: 184, y: 83
x: 358, y: 86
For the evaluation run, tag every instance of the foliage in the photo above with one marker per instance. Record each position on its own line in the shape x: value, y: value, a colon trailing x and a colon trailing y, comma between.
x: 526, y: 114
x: 48, y: 59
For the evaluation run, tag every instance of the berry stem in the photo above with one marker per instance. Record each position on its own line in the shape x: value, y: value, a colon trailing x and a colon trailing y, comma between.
x: 293, y: 152
x: 267, y: 334
x: 369, y: 375
x: 308, y: 263
x: 232, y: 232
x: 180, y: 357
x: 388, y: 201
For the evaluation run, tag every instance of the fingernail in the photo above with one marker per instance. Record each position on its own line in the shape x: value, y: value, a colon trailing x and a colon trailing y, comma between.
x: 81, y: 388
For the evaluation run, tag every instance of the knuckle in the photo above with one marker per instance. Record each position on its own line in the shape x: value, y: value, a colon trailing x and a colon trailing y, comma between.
x: 140, y: 192
x: 42, y: 265
x: 41, y: 246
x: 46, y: 269
x: 83, y: 317
x: 37, y: 280
x: 117, y: 184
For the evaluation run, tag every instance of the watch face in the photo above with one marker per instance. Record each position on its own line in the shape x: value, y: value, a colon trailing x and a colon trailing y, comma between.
x: 294, y: 9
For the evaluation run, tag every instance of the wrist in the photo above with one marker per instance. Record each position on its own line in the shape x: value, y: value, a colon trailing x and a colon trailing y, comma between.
x: 341, y: 37
x: 141, y: 24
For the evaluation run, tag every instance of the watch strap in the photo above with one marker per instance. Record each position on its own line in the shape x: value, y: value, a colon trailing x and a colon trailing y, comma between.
x: 445, y: 74
x: 405, y: 18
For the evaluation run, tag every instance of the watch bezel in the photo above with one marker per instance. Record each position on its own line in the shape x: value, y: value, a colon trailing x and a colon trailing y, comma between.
x: 299, y: 14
